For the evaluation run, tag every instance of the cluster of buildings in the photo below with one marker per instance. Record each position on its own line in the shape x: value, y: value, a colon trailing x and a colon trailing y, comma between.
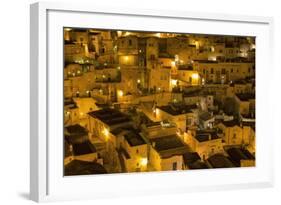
x: 146, y: 101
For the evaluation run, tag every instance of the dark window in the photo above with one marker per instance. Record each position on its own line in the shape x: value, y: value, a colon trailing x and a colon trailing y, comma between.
x: 130, y: 42
x: 212, y: 71
x: 174, y: 166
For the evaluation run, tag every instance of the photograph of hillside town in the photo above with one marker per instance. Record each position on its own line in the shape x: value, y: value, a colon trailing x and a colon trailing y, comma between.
x: 137, y: 101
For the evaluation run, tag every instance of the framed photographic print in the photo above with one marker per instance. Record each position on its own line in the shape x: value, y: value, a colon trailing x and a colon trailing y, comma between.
x: 131, y: 102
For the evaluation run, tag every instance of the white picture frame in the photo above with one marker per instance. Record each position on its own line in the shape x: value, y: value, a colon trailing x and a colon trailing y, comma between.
x: 46, y: 59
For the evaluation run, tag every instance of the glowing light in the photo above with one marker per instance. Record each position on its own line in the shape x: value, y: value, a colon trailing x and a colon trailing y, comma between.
x: 156, y: 112
x: 174, y: 82
x: 176, y: 58
x: 68, y: 29
x: 173, y: 63
x: 195, y: 76
x: 143, y: 161
x: 120, y: 93
x: 158, y: 35
x: 81, y: 113
x: 126, y: 58
x: 119, y: 33
x: 127, y: 33
x: 138, y: 81
x: 118, y: 68
x: 103, y: 76
x: 253, y: 46
x: 87, y: 91
x: 203, y: 81
x: 78, y: 72
x: 212, y: 58
x: 106, y: 133
x: 197, y: 44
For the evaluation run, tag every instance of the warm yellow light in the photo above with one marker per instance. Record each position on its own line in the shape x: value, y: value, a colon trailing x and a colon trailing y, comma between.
x: 119, y: 33
x: 138, y: 81
x: 157, y: 112
x: 212, y: 58
x: 158, y: 35
x: 106, y: 132
x: 253, y: 46
x: 177, y: 58
x: 173, y: 63
x: 120, y: 93
x: 174, y: 82
x: 197, y: 44
x: 118, y: 68
x: 126, y: 58
x: 143, y: 161
x: 195, y: 76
